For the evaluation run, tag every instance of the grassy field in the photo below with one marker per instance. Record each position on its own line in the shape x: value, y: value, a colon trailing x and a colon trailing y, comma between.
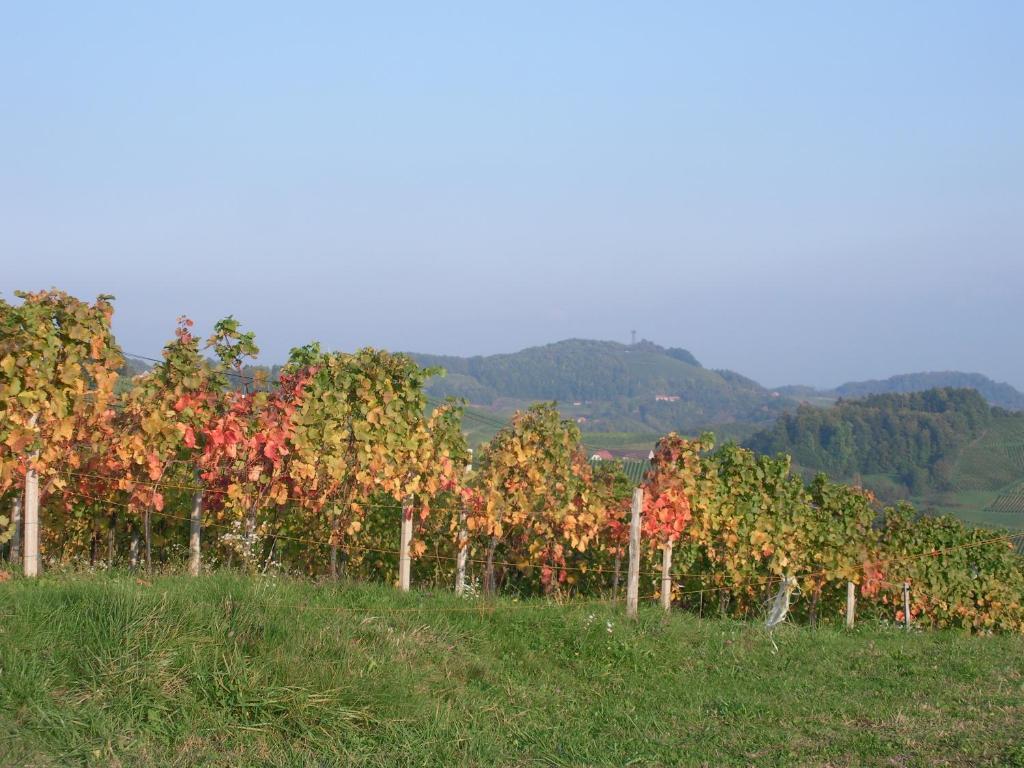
x: 229, y: 671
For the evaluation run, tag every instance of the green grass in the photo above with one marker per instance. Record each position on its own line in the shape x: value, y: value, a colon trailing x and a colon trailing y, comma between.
x: 228, y: 671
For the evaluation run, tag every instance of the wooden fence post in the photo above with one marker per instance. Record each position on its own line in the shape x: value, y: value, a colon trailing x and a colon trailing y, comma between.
x: 195, y: 531
x: 906, y: 605
x: 618, y: 573
x: 633, y: 576
x: 31, y: 553
x: 462, y: 556
x: 16, y: 526
x: 404, y: 562
x: 335, y: 528
x: 463, y: 539
x: 666, y: 576
x: 147, y: 536
x: 851, y: 603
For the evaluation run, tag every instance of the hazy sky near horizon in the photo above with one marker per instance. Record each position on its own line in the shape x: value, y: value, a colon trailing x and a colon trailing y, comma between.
x: 805, y: 193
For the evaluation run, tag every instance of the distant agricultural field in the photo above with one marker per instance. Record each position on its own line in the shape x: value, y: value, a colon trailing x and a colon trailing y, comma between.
x: 1011, y: 502
x: 995, y: 460
x: 988, y: 479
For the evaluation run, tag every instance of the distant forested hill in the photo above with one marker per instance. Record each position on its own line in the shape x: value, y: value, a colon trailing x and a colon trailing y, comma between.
x: 996, y: 393
x: 611, y: 386
x: 575, y: 369
x: 914, y: 438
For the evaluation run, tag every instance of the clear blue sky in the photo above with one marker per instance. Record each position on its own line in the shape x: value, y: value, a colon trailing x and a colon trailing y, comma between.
x: 804, y: 192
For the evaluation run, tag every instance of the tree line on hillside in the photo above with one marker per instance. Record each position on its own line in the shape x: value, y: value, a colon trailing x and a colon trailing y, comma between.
x: 317, y: 471
x: 996, y: 393
x: 913, y: 436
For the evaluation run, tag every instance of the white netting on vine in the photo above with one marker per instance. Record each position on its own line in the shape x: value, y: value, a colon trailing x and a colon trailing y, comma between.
x: 780, y: 603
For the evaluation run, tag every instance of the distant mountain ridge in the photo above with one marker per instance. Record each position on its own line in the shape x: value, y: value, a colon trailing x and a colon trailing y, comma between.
x: 996, y: 393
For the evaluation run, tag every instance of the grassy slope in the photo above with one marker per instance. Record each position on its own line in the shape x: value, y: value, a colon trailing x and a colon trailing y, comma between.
x: 481, y: 426
x: 996, y: 459
x: 227, y: 671
x: 990, y: 467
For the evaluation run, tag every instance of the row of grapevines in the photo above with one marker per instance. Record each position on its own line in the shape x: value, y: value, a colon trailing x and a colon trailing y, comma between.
x: 311, y: 472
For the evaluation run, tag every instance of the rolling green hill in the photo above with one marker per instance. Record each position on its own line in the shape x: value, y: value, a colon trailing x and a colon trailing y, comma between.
x: 646, y: 390
x: 610, y: 387
x: 574, y: 370
x: 914, y: 438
